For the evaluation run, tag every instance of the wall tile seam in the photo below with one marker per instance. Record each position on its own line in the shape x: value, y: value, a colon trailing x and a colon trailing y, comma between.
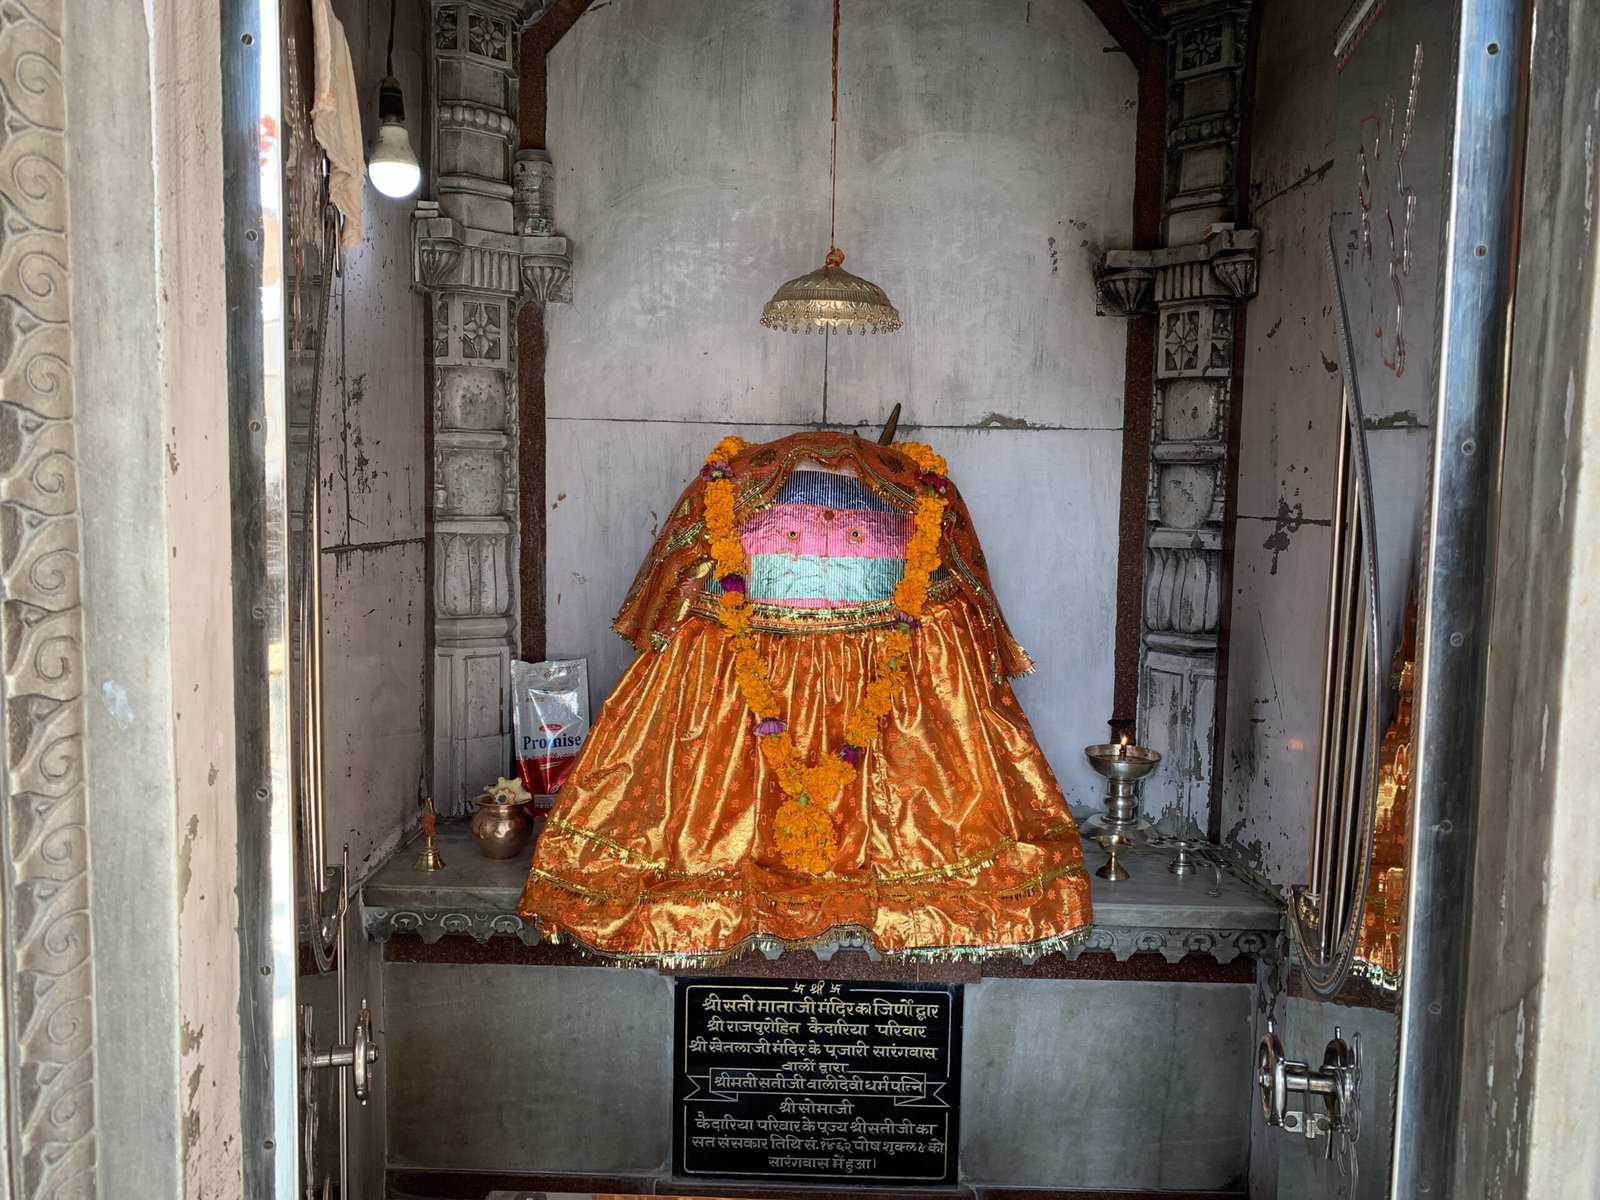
x: 905, y: 427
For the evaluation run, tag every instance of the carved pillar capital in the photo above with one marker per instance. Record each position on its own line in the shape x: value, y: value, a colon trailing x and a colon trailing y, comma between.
x: 1218, y: 269
x: 1122, y: 283
x: 448, y: 257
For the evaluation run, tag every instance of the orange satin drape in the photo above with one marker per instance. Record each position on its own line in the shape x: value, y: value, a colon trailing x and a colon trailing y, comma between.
x: 954, y: 837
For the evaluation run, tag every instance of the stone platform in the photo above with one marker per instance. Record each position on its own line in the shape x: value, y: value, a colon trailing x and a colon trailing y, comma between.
x: 1215, y: 912
x: 515, y: 1064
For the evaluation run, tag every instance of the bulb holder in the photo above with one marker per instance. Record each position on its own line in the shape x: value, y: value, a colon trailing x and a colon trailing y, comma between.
x: 391, y: 101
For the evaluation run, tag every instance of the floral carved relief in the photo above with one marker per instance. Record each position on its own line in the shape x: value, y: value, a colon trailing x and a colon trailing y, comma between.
x: 482, y: 331
x: 488, y: 36
x: 1180, y: 341
x: 447, y: 30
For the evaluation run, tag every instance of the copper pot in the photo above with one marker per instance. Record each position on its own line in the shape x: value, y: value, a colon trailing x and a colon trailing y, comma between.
x: 501, y: 830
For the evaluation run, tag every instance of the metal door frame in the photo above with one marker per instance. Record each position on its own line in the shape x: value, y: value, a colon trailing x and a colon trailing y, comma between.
x: 1479, y: 273
x: 258, y: 459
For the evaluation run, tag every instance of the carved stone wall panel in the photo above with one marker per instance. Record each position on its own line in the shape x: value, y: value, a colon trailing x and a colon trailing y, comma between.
x: 470, y: 398
x: 471, y: 478
x: 1207, y: 167
x: 489, y: 36
x: 1191, y: 410
x: 1187, y: 493
x: 1183, y: 591
x: 473, y: 684
x: 483, y: 334
x: 1203, y: 48
x: 473, y: 575
x: 446, y: 29
x: 1180, y: 341
x: 476, y: 149
x: 1196, y: 341
x: 1179, y: 687
x: 44, y: 870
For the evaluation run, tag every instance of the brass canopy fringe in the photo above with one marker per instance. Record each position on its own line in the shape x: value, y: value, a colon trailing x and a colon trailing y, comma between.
x: 830, y: 297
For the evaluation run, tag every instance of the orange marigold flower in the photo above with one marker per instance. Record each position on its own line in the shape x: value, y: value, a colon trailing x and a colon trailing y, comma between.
x: 805, y: 837
x: 727, y: 449
x: 927, y: 461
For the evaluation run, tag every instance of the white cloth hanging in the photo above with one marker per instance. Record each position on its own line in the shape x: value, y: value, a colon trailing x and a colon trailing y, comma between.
x: 336, y: 119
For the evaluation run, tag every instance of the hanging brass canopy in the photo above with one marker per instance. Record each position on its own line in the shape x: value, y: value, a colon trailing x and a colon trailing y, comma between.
x: 831, y: 297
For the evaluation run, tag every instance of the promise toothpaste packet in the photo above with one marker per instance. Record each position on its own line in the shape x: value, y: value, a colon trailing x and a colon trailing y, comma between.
x: 550, y: 715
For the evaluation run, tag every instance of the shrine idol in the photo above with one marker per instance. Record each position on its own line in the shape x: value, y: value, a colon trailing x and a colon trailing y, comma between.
x: 818, y: 737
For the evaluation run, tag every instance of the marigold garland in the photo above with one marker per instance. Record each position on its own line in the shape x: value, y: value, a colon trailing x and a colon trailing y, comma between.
x: 803, y: 829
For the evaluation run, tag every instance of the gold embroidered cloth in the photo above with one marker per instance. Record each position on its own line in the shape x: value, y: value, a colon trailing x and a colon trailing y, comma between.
x: 953, y: 838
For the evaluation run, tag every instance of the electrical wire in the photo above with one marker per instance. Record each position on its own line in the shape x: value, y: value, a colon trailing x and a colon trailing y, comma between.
x: 389, y: 68
x: 833, y: 164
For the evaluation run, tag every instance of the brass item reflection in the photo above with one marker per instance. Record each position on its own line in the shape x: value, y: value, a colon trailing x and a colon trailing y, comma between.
x: 1378, y: 945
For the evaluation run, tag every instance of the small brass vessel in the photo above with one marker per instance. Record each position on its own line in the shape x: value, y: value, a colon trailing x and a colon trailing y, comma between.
x: 502, y: 830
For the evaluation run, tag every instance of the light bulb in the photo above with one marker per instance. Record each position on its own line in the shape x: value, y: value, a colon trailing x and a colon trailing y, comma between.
x: 393, y: 166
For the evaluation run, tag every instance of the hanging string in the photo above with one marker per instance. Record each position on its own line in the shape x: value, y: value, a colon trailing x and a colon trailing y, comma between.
x: 834, y: 256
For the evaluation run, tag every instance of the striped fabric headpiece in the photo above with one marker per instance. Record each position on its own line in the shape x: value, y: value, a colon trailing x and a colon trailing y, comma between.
x: 826, y: 541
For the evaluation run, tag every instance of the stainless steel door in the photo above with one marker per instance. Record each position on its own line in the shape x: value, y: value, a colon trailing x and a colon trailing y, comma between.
x: 253, y: 197
x: 1428, y: 142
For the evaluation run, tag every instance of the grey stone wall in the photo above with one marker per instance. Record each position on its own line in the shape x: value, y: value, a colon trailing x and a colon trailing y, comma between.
x: 985, y: 159
x: 374, y: 514
x: 1065, y: 1083
x: 1289, y: 415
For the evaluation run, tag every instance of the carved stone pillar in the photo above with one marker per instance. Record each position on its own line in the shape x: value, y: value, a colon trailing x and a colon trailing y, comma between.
x: 478, y: 273
x: 1190, y: 288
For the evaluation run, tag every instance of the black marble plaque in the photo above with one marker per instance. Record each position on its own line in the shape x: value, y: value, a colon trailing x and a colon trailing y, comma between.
x: 816, y: 1080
